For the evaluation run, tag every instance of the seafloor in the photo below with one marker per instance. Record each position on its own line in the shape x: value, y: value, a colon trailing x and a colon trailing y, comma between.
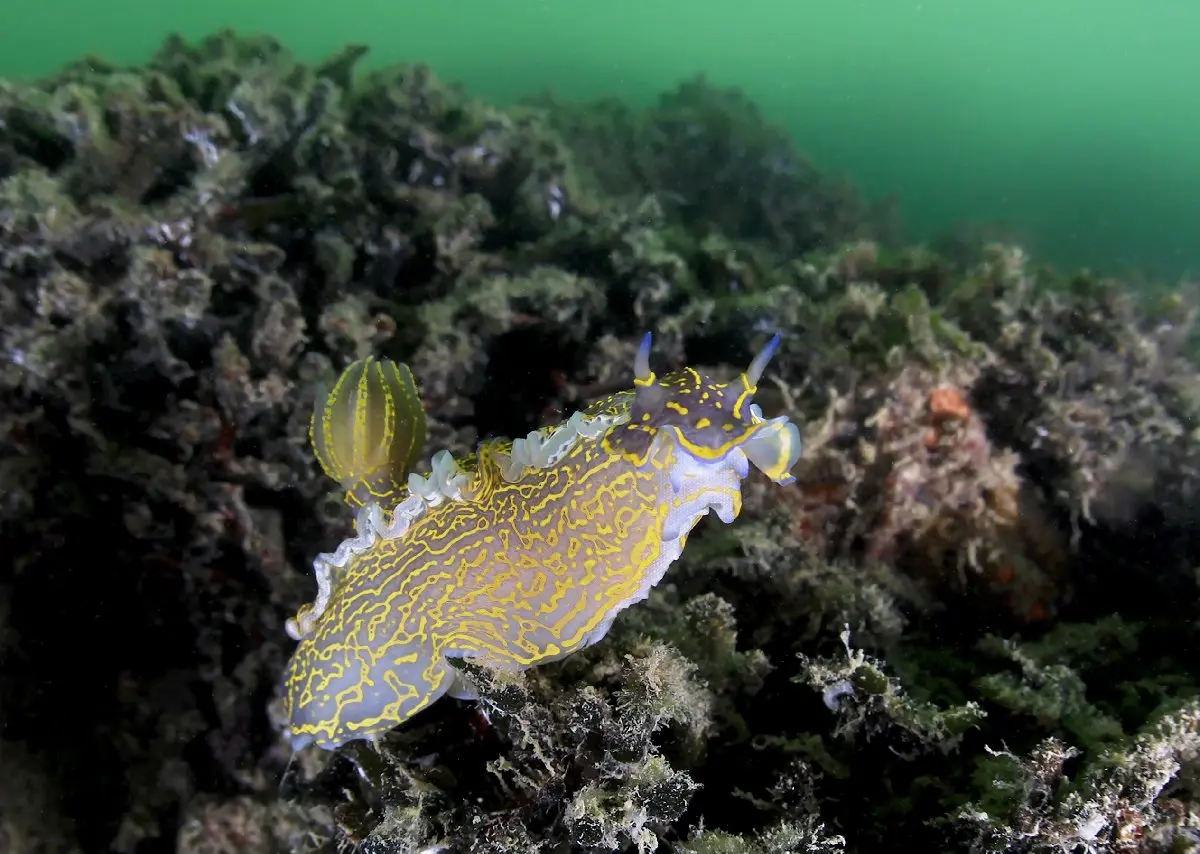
x: 970, y: 626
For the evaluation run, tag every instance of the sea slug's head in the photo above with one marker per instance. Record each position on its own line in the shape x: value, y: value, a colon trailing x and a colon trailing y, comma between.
x: 709, y: 420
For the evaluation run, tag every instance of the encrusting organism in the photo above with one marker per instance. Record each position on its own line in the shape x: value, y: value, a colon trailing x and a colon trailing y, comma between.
x: 518, y: 556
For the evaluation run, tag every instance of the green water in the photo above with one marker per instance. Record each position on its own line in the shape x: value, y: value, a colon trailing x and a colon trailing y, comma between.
x: 1076, y: 122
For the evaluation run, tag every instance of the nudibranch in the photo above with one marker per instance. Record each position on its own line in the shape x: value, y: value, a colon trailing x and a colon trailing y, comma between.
x: 519, y: 555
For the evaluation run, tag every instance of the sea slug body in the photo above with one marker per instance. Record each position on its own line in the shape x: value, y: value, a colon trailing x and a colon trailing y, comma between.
x: 520, y: 555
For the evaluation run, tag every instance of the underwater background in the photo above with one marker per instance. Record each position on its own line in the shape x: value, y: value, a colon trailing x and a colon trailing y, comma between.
x: 1074, y: 124
x: 961, y: 238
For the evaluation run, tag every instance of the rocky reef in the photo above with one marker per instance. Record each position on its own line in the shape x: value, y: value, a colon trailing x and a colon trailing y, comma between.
x: 970, y: 625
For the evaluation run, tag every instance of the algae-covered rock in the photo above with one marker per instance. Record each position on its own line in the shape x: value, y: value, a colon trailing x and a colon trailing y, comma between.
x: 717, y: 164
